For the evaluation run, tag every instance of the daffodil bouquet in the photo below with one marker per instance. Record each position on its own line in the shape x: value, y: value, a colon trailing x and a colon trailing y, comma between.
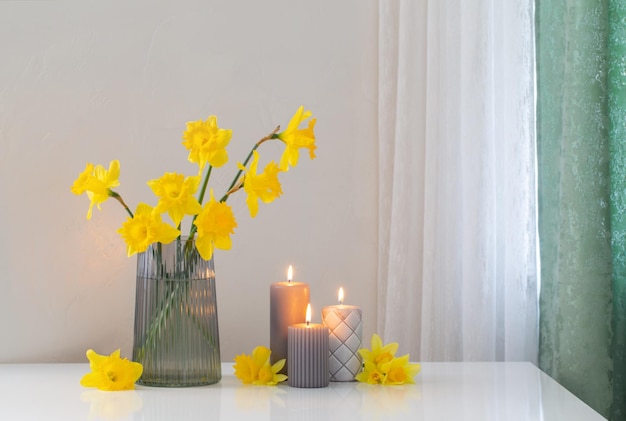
x: 176, y: 335
x: 213, y: 222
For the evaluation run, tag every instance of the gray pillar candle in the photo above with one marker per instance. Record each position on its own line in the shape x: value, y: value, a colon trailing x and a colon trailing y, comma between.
x: 308, y: 354
x: 288, y: 301
x: 345, y: 327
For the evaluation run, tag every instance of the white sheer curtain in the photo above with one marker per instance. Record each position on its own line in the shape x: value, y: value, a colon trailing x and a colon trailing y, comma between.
x: 458, y: 271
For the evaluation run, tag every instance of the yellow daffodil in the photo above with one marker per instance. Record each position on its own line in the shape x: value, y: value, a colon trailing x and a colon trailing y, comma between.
x: 264, y: 186
x: 111, y: 372
x: 370, y: 374
x: 256, y: 368
x: 296, y: 138
x: 145, y: 228
x: 380, y: 366
x: 400, y: 371
x: 97, y: 183
x: 206, y: 142
x: 245, y: 369
x: 81, y: 184
x: 175, y: 193
x: 215, y: 223
x: 380, y: 353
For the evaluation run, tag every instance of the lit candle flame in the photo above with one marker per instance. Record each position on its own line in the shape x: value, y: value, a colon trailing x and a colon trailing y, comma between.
x: 308, y: 314
x: 340, y: 296
x: 290, y: 273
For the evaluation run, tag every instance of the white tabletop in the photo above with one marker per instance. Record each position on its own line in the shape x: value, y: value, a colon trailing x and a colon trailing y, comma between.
x: 443, y: 391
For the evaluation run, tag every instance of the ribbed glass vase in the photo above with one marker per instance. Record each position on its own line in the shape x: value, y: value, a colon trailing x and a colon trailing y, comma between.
x: 176, y: 331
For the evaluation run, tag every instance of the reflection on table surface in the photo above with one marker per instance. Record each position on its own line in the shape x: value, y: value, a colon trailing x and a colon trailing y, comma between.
x: 443, y: 391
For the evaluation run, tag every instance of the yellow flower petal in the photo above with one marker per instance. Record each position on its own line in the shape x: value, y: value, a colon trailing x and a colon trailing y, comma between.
x: 215, y: 223
x: 145, y: 228
x: 111, y: 372
x: 295, y: 138
x: 256, y: 368
x: 278, y: 365
x: 261, y: 355
x: 81, y: 184
x: 245, y: 369
x: 97, y: 183
x: 370, y: 374
x: 382, y: 353
x: 380, y: 366
x: 206, y: 142
x: 400, y: 371
x: 175, y: 193
x: 265, y: 377
x: 264, y: 186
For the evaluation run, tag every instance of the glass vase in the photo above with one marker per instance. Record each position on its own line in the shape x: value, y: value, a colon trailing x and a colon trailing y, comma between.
x: 176, y: 335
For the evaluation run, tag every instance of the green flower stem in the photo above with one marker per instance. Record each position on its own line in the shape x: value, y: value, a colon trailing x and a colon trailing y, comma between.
x: 230, y: 189
x: 156, y: 325
x: 204, y: 185
x: 117, y: 197
x: 175, y: 295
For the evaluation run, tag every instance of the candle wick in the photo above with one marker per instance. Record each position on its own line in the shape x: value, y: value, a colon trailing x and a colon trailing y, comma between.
x: 340, y: 302
x: 308, y: 322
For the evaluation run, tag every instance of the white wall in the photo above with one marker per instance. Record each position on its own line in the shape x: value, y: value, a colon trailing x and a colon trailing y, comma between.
x: 99, y: 81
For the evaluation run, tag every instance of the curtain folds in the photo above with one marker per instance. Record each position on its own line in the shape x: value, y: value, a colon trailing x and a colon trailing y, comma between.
x: 617, y: 149
x: 457, y: 273
x: 581, y: 156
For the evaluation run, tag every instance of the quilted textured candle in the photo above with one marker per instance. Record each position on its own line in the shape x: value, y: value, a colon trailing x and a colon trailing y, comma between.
x: 345, y: 332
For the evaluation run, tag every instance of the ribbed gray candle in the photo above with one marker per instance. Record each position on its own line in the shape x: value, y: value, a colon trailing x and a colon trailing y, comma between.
x: 307, y: 355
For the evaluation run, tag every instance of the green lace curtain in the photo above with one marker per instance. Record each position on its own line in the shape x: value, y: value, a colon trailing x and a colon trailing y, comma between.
x: 581, y: 124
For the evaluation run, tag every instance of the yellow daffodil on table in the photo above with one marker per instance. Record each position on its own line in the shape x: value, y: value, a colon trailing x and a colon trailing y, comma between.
x: 256, y: 368
x: 380, y: 366
x: 214, y: 221
x: 111, y: 373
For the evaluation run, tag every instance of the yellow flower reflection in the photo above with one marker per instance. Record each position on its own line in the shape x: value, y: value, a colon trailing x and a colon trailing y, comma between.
x: 264, y: 186
x: 111, y: 372
x: 112, y: 406
x: 296, y: 138
x: 256, y: 368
